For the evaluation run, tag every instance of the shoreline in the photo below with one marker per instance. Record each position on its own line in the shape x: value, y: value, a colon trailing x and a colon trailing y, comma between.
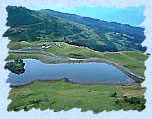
x: 137, y: 78
x: 58, y: 59
x: 67, y: 80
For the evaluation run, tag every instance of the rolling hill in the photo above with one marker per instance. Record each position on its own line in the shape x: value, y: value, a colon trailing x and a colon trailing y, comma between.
x: 47, y: 25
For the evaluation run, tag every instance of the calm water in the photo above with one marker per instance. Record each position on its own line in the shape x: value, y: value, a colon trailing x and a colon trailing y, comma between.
x: 79, y: 72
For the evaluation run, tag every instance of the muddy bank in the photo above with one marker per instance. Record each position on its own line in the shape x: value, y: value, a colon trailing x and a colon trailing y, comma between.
x: 68, y: 80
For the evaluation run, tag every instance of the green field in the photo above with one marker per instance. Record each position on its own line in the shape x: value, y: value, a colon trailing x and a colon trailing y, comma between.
x: 65, y: 96
x: 74, y: 37
x: 61, y: 95
x: 133, y: 60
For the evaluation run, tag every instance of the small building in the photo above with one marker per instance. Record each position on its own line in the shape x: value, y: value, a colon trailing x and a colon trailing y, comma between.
x: 45, y: 46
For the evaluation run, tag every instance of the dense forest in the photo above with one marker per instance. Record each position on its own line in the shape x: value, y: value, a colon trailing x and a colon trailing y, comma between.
x: 47, y: 25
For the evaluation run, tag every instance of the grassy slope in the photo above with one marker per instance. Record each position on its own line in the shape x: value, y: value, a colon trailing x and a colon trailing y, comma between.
x: 133, y: 60
x: 64, y: 96
x: 29, y: 25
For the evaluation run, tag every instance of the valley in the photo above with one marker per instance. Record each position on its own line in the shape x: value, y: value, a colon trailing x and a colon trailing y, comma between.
x: 104, y: 62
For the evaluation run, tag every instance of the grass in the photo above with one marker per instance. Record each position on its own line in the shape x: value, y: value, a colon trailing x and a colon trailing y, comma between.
x: 133, y: 60
x: 38, y: 56
x: 65, y: 96
x: 61, y: 95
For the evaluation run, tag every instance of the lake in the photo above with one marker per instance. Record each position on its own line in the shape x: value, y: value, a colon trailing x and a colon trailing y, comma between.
x: 77, y: 72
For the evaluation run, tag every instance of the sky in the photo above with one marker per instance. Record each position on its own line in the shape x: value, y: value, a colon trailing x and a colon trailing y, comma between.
x: 130, y: 15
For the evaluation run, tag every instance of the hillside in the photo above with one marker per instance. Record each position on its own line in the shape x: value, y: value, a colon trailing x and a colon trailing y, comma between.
x: 29, y: 25
x: 101, y: 27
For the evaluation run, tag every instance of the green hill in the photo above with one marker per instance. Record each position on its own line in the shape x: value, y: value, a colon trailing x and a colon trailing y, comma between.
x: 29, y: 25
x: 100, y: 26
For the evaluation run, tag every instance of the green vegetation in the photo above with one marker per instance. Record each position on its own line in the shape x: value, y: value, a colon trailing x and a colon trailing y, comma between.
x: 78, y: 37
x: 61, y: 95
x: 17, y: 66
x: 24, y: 55
x: 140, y: 102
x: 34, y: 28
x: 133, y: 60
x: 29, y: 25
x: 101, y: 27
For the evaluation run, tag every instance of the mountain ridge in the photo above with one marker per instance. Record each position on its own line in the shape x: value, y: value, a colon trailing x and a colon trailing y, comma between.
x: 72, y: 14
x: 30, y: 25
x: 81, y: 19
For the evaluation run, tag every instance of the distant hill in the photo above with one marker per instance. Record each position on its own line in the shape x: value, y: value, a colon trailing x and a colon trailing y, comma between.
x: 100, y: 25
x: 30, y: 25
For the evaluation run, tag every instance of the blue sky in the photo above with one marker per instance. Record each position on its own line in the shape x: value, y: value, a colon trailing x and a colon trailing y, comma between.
x: 130, y: 15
